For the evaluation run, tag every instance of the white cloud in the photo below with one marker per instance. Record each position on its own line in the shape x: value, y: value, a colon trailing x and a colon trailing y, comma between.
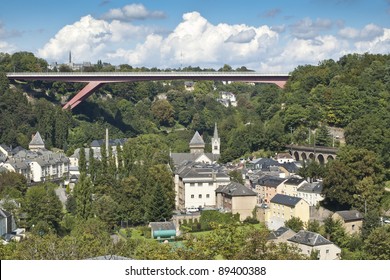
x: 197, y: 42
x: 368, y: 33
x: 90, y: 38
x: 132, y: 12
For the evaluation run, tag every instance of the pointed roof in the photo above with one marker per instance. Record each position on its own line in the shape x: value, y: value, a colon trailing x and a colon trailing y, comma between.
x: 37, y: 140
x: 215, y: 132
x: 196, y: 139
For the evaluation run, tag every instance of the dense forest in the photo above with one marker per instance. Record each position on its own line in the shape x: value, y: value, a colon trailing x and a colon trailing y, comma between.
x: 352, y: 93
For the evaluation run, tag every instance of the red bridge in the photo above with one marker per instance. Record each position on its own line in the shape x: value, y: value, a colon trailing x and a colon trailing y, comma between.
x: 97, y: 79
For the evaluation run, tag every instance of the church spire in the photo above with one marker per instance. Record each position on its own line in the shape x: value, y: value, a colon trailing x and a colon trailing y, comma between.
x: 216, y: 142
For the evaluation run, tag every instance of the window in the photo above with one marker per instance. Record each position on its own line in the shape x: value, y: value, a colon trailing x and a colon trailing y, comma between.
x: 353, y: 227
x: 192, y: 196
x: 192, y: 184
x: 207, y: 196
x: 327, y: 251
x: 200, y: 196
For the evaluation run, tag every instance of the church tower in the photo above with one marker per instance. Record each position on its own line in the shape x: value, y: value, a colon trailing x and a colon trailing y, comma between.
x: 216, y: 142
x: 197, y: 144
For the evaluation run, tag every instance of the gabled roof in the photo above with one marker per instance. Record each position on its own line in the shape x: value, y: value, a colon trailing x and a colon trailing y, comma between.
x: 309, y: 238
x: 197, y: 139
x: 37, y: 140
x: 235, y: 189
x: 350, y: 215
x: 290, y: 167
x: 287, y: 200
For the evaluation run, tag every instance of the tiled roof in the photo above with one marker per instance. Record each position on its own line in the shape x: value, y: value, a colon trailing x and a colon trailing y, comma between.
x: 311, y: 188
x: 294, y: 181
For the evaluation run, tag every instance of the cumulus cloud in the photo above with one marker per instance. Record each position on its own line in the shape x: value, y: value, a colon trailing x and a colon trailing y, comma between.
x: 89, y: 38
x: 368, y: 33
x: 197, y: 42
x: 133, y: 12
x: 6, y: 47
x: 307, y: 28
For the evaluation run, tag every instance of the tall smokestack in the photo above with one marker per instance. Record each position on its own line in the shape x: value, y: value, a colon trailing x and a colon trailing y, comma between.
x: 70, y: 57
x: 107, y: 142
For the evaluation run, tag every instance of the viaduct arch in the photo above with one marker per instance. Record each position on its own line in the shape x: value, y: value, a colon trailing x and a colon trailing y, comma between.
x: 322, y: 155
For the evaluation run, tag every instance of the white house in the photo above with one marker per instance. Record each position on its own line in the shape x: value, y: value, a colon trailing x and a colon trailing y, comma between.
x: 311, y: 192
x: 314, y: 243
x: 195, y: 184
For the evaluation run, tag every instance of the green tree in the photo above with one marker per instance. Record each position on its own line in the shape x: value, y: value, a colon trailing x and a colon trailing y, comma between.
x: 164, y: 113
x: 41, y: 204
x: 83, y: 193
x: 295, y: 223
x: 377, y: 244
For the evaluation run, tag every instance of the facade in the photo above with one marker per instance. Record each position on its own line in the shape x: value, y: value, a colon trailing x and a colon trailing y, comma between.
x: 352, y: 220
x: 291, y: 185
x: 284, y: 158
x: 236, y: 198
x: 284, y: 207
x: 227, y: 99
x: 311, y: 243
x: 7, y: 223
x: 195, y: 184
x: 311, y: 192
x: 266, y: 188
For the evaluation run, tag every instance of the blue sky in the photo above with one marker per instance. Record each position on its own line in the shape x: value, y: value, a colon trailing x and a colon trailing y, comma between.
x: 264, y: 35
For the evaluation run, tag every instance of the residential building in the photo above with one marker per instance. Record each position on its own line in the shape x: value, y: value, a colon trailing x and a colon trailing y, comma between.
x: 311, y: 192
x: 7, y: 223
x: 38, y: 164
x: 236, y: 198
x: 284, y: 207
x: 291, y: 185
x: 195, y: 184
x: 352, y: 220
x: 264, y: 164
x: 284, y: 158
x: 313, y: 243
x: 266, y: 188
x: 227, y: 99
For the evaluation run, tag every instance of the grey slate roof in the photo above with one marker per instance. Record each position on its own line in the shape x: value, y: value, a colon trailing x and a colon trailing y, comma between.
x: 315, y: 187
x: 37, y: 140
x: 197, y: 139
x: 290, y: 167
x: 309, y: 238
x: 279, y: 232
x: 294, y: 181
x: 235, y: 189
x: 287, y: 200
x: 270, y: 181
x: 162, y: 226
x: 350, y: 215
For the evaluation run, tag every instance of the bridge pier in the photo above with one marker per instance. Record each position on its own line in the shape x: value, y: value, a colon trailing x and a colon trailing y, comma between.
x: 83, y: 94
